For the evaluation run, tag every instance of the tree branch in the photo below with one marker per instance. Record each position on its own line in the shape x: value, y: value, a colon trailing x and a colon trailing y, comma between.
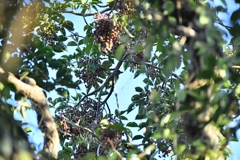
x: 113, y: 148
x: 111, y: 76
x: 38, y: 99
x: 86, y: 14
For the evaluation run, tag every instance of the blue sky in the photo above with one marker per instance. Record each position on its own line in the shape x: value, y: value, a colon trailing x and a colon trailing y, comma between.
x: 125, y: 86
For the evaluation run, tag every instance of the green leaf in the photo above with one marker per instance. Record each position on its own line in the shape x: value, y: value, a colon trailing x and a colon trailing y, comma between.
x: 24, y: 74
x: 119, y: 52
x: 137, y: 137
x: 81, y: 42
x: 72, y: 43
x: 125, y: 65
x: 1, y: 86
x: 23, y: 111
x: 155, y: 97
x: 135, y: 97
x: 138, y: 89
x: 138, y: 48
x: 40, y: 44
x: 182, y: 95
x: 116, y: 112
x: 110, y: 3
x: 137, y: 73
x: 68, y: 25
x: 168, y: 6
x: 104, y: 93
x: 123, y: 118
x: 140, y: 116
x: 62, y: 30
x: 27, y: 129
x: 89, y: 44
x: 148, y: 81
x: 125, y: 20
x: 61, y: 73
x: 64, y: 155
x: 132, y: 124
x: 62, y: 38
x: 170, y: 65
x: 106, y: 64
x: 130, y: 107
x: 57, y: 48
x: 55, y: 64
x: 95, y: 8
x: 117, y: 126
x: 63, y: 92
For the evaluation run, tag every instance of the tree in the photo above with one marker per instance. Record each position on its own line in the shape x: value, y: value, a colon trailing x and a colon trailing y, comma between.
x: 185, y: 115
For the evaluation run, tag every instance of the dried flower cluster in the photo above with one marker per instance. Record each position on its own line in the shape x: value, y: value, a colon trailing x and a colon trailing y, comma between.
x: 88, y: 72
x: 83, y: 115
x: 112, y: 135
x: 125, y: 7
x: 105, y: 32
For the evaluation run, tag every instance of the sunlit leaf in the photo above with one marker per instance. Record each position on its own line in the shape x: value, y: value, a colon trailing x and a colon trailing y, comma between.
x: 1, y: 86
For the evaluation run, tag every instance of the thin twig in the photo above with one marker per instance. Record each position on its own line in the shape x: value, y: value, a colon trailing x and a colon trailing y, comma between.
x: 77, y: 35
x: 219, y: 21
x: 86, y: 14
x: 116, y: 96
x: 109, y: 111
x: 108, y: 96
x: 102, y: 6
x: 110, y: 56
x: 129, y: 34
x: 115, y: 3
x: 85, y: 20
x: 26, y: 48
x: 113, y: 148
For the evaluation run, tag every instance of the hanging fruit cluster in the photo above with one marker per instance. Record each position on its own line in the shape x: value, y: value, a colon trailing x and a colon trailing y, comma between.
x: 105, y: 32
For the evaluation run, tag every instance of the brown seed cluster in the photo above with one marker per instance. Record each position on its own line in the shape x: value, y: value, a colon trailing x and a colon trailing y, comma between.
x: 88, y: 72
x: 105, y: 32
x: 83, y: 115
